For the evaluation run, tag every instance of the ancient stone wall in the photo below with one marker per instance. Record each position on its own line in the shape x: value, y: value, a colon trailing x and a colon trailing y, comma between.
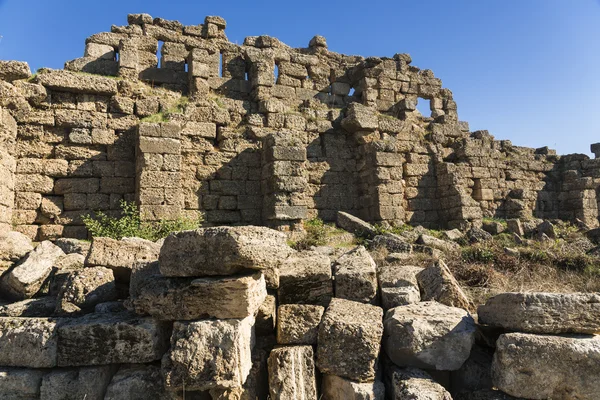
x: 182, y: 120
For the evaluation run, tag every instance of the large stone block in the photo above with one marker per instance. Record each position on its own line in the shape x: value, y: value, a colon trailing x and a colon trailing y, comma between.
x: 26, y: 279
x: 414, y: 384
x: 188, y: 298
x: 336, y: 388
x: 341, y: 351
x: 305, y: 278
x: 547, y: 367
x: 99, y: 339
x: 14, y: 70
x: 78, y: 83
x: 20, y: 383
x: 355, y: 276
x: 222, y: 251
x: 360, y: 118
x: 86, y: 288
x: 28, y: 342
x: 543, y: 312
x: 292, y: 373
x: 210, y: 354
x: 87, y: 383
x: 13, y: 246
x: 428, y: 335
x: 437, y: 283
x: 398, y: 285
x: 298, y: 323
x: 136, y: 382
x: 36, y: 307
x: 355, y: 225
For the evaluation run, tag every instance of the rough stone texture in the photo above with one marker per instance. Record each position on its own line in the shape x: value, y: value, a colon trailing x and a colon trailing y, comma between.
x: 20, y: 383
x: 79, y: 383
x: 13, y: 246
x: 305, y: 278
x: 88, y: 287
x: 28, y: 342
x: 98, y: 339
x: 71, y: 246
x: 136, y: 382
x: 476, y: 373
x: 398, y: 285
x: 355, y: 276
x: 340, y: 350
x: 187, y: 298
x: 393, y: 243
x: 13, y: 70
x: 336, y: 388
x: 121, y: 255
x: 543, y: 312
x: 71, y: 82
x: 292, y: 373
x: 222, y: 251
x: 437, y: 283
x: 298, y: 323
x: 266, y: 317
x: 413, y: 384
x: 484, y: 395
x: 209, y: 354
x: 40, y: 307
x: 428, y: 335
x: 355, y: 225
x: 544, y: 366
x: 439, y: 244
x: 24, y: 280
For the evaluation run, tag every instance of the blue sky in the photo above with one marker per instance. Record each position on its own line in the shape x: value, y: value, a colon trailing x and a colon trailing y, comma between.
x: 526, y: 70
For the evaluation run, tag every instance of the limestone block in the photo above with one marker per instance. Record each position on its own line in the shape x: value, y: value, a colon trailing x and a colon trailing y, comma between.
x: 26, y: 279
x: 437, y: 283
x: 412, y: 383
x: 209, y: 354
x: 189, y: 299
x: 34, y: 183
x: 80, y: 383
x: 440, y: 244
x: 99, y: 339
x: 73, y: 246
x: 355, y: 276
x: 28, y: 342
x: 340, y: 350
x: 222, y: 251
x: 87, y: 287
x: 543, y: 312
x: 360, y: 118
x: 67, y: 81
x: 13, y: 246
x: 393, y: 243
x: 336, y: 388
x: 547, y: 367
x: 40, y: 307
x: 305, y: 278
x: 298, y: 323
x: 20, y: 383
x: 136, y: 382
x: 14, y: 70
x: 398, y: 285
x: 292, y: 373
x: 428, y: 335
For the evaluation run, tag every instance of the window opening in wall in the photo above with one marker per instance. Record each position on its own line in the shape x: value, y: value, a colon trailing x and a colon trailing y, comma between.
x: 423, y: 106
x: 159, y: 53
x: 351, y: 93
x: 276, y: 73
x: 186, y: 66
x: 221, y: 64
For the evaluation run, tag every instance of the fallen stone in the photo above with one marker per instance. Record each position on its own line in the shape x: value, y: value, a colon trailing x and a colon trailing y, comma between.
x: 209, y: 354
x: 355, y: 276
x: 67, y: 81
x: 136, y: 382
x: 547, y: 367
x: 398, y: 285
x: 340, y: 350
x: 478, y: 235
x: 20, y: 383
x: 28, y: 342
x: 439, y: 244
x: 121, y: 255
x: 414, y: 384
x: 110, y: 307
x: 515, y: 226
x: 437, y: 283
x: 298, y: 323
x: 292, y: 373
x: 25, y: 280
x: 63, y: 268
x: 222, y: 250
x: 453, y: 234
x: 543, y: 312
x: 71, y: 246
x: 87, y: 383
x: 100, y: 339
x: 428, y: 335
x: 187, y: 298
x: 13, y: 246
x: 493, y: 227
x: 40, y: 307
x: 305, y: 278
x: 393, y: 243
x: 355, y: 225
x: 336, y: 388
x: 546, y: 228
x: 86, y: 288
x: 14, y: 70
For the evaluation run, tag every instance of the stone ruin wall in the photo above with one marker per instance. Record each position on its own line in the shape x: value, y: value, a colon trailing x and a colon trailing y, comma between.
x: 268, y: 135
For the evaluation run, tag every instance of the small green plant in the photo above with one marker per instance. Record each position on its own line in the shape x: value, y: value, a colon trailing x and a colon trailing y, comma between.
x: 316, y: 234
x: 478, y: 254
x: 129, y: 224
x: 164, y: 115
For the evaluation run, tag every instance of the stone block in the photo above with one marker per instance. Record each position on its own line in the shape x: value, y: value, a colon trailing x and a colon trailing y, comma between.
x: 437, y: 283
x: 81, y: 383
x: 67, y: 81
x: 360, y: 118
x: 355, y: 276
x: 298, y: 323
x: 292, y: 373
x: 28, y: 342
x: 40, y: 307
x: 393, y: 243
x: 305, y: 278
x: 355, y: 225
x: 209, y: 354
x: 86, y: 288
x: 336, y: 388
x: 398, y: 285
x: 14, y: 70
x: 13, y: 246
x: 159, y: 145
x: 20, y: 383
x: 413, y: 383
x: 136, y: 382
x: 340, y: 350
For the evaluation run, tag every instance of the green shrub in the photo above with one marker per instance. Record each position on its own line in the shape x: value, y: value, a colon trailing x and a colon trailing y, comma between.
x: 129, y: 224
x: 478, y: 254
x: 316, y: 234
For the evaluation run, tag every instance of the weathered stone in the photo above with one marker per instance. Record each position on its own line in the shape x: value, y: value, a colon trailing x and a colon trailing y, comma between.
x: 99, y: 339
x: 210, y: 354
x: 222, y: 251
x: 355, y: 276
x: 14, y: 70
x: 70, y: 246
x: 547, y: 367
x: 188, y: 299
x: 26, y: 279
x: 81, y: 383
x: 439, y: 244
x: 336, y: 388
x: 476, y: 372
x: 493, y: 227
x: 546, y: 228
x: 13, y: 246
x: 20, y: 383
x: 28, y: 342
x: 305, y: 278
x: 428, y: 335
x: 543, y: 312
x: 87, y: 287
x: 393, y: 243
x: 266, y: 317
x: 398, y: 285
x: 78, y: 83
x: 40, y: 307
x: 298, y: 323
x: 478, y: 235
x: 486, y: 394
x: 437, y: 283
x: 360, y: 118
x: 136, y: 382
x: 414, y: 384
x: 340, y: 350
x: 355, y: 225
x: 292, y: 373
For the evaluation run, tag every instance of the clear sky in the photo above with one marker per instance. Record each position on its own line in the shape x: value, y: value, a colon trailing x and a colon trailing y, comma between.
x: 526, y: 70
